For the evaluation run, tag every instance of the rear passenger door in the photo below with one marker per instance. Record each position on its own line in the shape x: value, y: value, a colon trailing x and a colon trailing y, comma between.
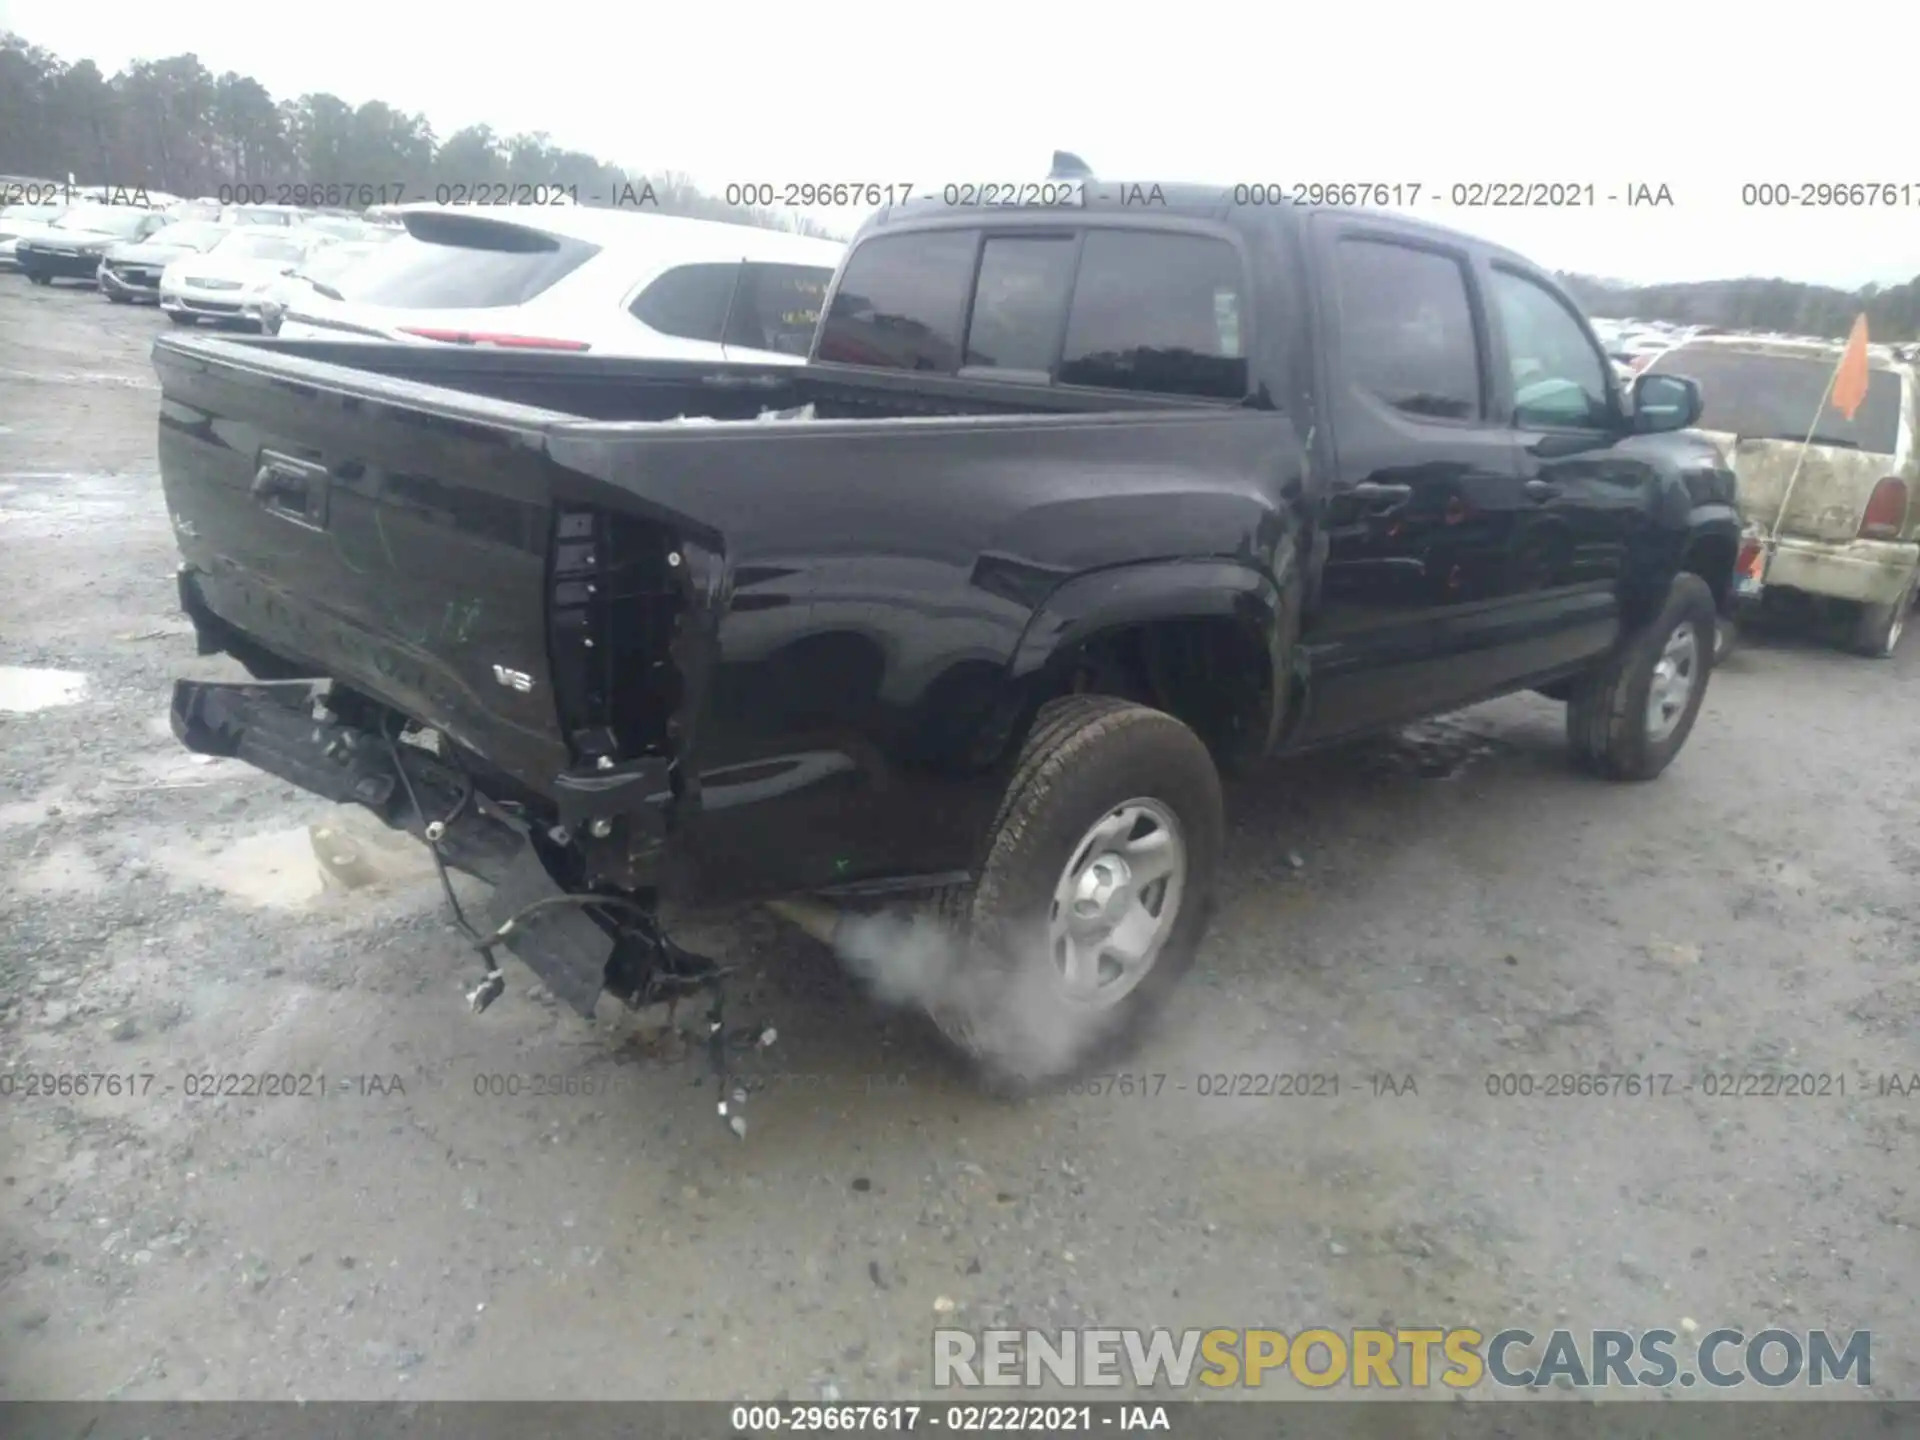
x: 1414, y: 610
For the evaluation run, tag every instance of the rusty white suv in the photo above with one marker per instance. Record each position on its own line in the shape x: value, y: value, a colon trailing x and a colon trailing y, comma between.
x: 1830, y: 497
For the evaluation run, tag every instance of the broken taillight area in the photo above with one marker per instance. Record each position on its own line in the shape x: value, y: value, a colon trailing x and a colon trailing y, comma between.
x: 1751, y: 562
x: 1886, y: 513
x: 495, y: 340
x: 616, y: 600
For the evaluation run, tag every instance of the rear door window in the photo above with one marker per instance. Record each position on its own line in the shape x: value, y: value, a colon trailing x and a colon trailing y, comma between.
x: 777, y: 307
x: 1158, y: 312
x: 688, y: 301
x: 901, y: 301
x: 466, y: 262
x: 1406, y: 329
x: 1019, y: 302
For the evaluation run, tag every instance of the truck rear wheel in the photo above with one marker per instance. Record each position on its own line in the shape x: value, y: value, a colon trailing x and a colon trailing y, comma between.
x: 1095, y: 893
x: 1628, y: 717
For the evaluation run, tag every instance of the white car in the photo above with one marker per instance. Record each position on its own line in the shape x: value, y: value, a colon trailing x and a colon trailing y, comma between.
x: 314, y: 275
x: 200, y: 209
x: 16, y: 220
x: 288, y: 215
x: 220, y: 284
x: 71, y: 247
x: 130, y: 271
x: 613, y: 282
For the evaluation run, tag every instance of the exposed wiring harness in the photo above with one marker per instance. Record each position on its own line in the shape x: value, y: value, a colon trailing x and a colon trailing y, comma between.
x: 664, y: 981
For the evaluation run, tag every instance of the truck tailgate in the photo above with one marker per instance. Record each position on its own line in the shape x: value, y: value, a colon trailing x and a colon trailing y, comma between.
x: 390, y: 535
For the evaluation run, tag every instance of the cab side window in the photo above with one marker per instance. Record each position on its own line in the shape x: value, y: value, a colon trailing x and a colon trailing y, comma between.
x: 1559, y: 378
x: 1019, y: 301
x: 901, y: 302
x: 777, y: 307
x: 1406, y: 329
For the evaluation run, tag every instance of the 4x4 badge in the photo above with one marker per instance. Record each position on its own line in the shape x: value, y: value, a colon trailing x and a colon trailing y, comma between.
x: 513, y: 679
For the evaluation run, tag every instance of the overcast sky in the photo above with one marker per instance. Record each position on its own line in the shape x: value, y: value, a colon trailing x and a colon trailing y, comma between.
x: 1614, y: 94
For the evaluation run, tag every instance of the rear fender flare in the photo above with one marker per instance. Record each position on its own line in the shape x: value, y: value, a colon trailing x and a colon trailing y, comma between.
x: 1129, y: 595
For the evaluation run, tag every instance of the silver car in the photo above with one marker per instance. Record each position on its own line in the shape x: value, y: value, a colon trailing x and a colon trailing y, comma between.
x: 130, y: 271
x: 16, y: 220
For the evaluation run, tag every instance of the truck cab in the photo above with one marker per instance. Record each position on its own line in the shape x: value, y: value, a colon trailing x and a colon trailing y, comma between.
x: 1481, y: 508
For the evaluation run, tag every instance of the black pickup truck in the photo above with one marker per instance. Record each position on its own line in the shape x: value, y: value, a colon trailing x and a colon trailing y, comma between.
x: 1076, y: 504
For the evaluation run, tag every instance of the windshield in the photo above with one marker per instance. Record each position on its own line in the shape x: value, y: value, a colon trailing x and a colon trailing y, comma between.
x: 334, y: 261
x: 254, y: 245
x: 194, y: 234
x: 457, y: 261
x: 334, y: 225
x: 120, y: 220
x: 1757, y: 396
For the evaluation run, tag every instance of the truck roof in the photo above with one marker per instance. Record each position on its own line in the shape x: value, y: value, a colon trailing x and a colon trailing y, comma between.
x: 1139, y: 199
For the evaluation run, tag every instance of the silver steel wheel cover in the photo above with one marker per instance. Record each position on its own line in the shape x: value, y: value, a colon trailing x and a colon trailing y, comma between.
x: 1117, y: 901
x: 1675, y: 674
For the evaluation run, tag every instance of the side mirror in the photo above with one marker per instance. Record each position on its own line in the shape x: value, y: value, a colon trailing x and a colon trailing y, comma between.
x: 1665, y: 402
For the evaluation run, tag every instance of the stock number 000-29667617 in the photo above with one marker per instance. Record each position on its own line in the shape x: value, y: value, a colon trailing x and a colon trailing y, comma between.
x: 1824, y: 194
x: 301, y: 194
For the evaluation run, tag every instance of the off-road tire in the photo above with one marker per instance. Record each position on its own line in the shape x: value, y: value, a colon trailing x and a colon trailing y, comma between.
x: 1085, y: 755
x: 114, y: 299
x: 1877, y: 628
x: 1607, y: 714
x: 177, y: 318
x: 34, y: 279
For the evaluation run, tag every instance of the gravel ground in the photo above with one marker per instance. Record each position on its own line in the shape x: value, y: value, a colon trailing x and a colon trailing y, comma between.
x: 1442, y: 905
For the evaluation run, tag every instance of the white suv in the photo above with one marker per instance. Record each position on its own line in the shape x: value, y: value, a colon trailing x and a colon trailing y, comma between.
x: 613, y: 282
x: 1850, y: 532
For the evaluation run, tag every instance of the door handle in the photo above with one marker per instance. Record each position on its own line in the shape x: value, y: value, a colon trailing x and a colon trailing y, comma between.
x: 1372, y: 490
x: 1542, y: 490
x: 272, y: 484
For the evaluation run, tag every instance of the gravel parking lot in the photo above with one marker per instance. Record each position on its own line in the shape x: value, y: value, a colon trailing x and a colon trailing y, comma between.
x: 1439, y: 907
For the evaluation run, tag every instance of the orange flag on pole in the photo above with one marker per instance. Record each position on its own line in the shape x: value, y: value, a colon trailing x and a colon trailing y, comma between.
x: 1850, y: 380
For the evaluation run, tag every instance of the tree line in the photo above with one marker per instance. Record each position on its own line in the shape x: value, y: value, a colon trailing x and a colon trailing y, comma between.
x: 1785, y: 306
x: 173, y: 125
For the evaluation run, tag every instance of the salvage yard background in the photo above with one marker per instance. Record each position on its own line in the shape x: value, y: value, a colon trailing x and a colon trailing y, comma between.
x: 1442, y: 905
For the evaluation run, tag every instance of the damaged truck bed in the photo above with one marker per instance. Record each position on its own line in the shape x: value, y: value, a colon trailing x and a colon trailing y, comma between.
x: 1069, y: 510
x: 569, y: 607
